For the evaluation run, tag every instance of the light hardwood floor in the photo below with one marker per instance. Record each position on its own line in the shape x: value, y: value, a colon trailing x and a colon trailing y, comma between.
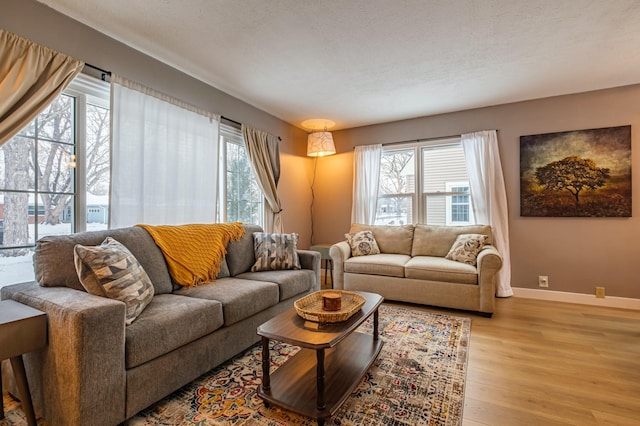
x: 549, y: 363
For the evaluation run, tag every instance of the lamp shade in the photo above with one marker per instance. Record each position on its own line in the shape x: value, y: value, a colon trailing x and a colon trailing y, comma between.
x: 320, y: 144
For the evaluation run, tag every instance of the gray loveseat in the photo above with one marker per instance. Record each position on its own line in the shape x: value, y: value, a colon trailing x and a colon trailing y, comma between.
x: 412, y: 267
x: 97, y: 371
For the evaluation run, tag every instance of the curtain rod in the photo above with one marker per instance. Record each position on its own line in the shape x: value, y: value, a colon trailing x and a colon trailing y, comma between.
x: 230, y: 120
x: 424, y: 139
x: 421, y: 140
x: 239, y: 123
x: 104, y: 72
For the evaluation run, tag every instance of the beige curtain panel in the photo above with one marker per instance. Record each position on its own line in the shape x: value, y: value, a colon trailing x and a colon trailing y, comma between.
x: 262, y: 149
x: 31, y: 76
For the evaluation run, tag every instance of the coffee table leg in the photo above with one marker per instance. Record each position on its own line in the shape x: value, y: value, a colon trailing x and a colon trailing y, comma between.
x: 266, y: 379
x: 320, y: 405
x: 375, y: 325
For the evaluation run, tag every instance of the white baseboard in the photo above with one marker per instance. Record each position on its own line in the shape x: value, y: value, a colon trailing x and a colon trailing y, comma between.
x: 579, y: 298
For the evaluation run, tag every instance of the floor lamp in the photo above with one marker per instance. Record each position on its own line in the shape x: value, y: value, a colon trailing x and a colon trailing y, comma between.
x: 319, y: 144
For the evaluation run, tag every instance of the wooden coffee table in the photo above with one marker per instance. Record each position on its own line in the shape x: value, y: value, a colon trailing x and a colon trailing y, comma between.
x: 332, y: 360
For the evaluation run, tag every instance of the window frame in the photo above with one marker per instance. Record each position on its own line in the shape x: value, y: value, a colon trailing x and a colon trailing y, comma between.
x: 231, y: 134
x: 83, y: 90
x: 410, y: 195
x: 449, y: 203
x: 86, y: 90
x: 420, y: 196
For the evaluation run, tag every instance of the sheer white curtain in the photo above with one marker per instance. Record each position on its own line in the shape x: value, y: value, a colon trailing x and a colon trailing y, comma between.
x: 164, y: 158
x: 366, y: 176
x: 489, y: 196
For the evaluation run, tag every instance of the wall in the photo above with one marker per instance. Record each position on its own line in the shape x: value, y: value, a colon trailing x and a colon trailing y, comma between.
x: 43, y: 25
x: 576, y: 253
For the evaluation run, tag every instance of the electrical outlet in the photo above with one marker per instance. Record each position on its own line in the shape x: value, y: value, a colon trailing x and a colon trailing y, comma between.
x: 543, y: 281
x: 600, y: 292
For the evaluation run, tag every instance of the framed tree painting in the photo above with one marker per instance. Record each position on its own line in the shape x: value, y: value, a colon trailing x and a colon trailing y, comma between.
x: 581, y: 173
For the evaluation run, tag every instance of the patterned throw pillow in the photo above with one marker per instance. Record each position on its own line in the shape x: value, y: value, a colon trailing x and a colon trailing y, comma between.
x: 362, y: 243
x: 110, y: 270
x: 466, y: 248
x: 275, y: 251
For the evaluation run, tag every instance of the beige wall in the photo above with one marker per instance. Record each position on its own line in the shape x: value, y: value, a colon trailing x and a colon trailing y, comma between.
x: 43, y: 25
x: 576, y: 253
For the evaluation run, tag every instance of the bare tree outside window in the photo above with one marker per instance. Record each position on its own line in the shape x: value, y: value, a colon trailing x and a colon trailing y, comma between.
x: 15, y: 219
x: 54, y: 158
x: 397, y: 185
x: 243, y: 195
x: 98, y: 154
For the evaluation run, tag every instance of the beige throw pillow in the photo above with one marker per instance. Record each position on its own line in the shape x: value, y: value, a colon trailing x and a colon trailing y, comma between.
x: 110, y: 270
x: 466, y: 247
x: 362, y: 243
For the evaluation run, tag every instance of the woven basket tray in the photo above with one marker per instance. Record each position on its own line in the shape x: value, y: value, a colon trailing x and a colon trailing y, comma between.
x: 310, y: 307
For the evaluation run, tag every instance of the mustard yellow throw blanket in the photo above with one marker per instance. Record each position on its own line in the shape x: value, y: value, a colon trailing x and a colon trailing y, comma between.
x: 194, y: 252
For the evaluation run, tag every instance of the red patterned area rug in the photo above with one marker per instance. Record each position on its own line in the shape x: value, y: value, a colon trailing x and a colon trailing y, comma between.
x: 418, y: 379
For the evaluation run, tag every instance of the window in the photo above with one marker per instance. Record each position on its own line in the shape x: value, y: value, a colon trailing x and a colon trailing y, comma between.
x: 459, y: 210
x: 240, y: 195
x: 424, y: 183
x: 49, y: 171
x: 396, y: 194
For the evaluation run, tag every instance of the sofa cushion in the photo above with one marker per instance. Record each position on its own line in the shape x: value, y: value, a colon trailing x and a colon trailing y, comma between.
x: 240, y: 256
x: 224, y: 269
x: 390, y: 239
x: 54, y: 266
x: 290, y: 283
x: 110, y: 270
x: 275, y: 252
x: 441, y: 269
x: 240, y: 298
x: 435, y: 240
x: 362, y: 243
x: 466, y: 248
x: 390, y: 265
x: 169, y: 322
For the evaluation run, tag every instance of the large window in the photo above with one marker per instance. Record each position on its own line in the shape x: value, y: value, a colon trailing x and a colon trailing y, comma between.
x: 54, y: 176
x: 241, y: 199
x: 424, y: 183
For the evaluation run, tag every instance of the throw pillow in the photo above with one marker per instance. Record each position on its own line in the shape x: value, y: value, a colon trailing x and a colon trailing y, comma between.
x: 275, y: 251
x: 362, y: 243
x: 466, y: 248
x: 110, y: 270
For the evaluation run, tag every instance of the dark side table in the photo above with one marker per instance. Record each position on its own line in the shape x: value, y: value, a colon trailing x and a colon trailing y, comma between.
x: 22, y: 329
x: 323, y: 249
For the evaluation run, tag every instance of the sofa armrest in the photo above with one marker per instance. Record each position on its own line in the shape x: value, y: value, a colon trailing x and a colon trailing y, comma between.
x: 339, y: 253
x: 311, y: 260
x: 488, y: 263
x: 79, y: 377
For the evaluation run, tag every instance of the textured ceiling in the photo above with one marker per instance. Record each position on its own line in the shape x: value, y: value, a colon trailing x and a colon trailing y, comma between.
x: 360, y: 62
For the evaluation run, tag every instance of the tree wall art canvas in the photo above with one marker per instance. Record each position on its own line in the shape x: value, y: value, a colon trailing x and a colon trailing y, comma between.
x: 580, y: 173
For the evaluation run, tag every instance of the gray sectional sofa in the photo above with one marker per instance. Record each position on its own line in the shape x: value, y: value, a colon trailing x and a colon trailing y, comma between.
x: 97, y: 371
x: 412, y: 267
